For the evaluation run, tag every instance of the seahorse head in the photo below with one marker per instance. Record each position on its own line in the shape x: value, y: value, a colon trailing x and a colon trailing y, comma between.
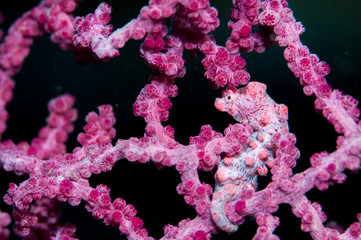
x: 241, y: 102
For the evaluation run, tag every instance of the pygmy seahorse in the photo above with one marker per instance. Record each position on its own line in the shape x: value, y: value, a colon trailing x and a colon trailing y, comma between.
x: 248, y: 105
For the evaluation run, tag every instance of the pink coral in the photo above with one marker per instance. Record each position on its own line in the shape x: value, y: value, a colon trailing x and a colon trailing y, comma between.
x: 232, y: 152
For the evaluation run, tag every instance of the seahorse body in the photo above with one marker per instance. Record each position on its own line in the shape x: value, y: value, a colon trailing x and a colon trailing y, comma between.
x: 248, y: 105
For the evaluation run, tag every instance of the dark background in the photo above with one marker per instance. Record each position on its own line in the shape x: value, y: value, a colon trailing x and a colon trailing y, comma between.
x: 332, y: 31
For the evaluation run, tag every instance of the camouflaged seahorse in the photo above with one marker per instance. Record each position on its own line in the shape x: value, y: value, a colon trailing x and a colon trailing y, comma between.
x: 248, y: 105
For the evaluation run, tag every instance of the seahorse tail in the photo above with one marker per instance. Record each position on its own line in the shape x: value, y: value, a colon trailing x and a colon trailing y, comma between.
x: 219, y: 199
